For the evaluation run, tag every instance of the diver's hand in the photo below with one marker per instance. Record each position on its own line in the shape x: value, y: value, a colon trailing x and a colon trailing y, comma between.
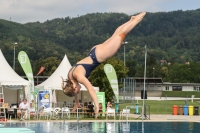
x: 76, y: 106
x: 96, y: 112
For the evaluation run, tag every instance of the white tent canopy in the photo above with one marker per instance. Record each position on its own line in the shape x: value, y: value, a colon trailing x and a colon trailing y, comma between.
x: 54, y: 81
x: 8, y: 77
x: 10, y: 80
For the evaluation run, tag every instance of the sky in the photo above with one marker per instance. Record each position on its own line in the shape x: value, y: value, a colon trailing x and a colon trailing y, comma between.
x: 24, y: 11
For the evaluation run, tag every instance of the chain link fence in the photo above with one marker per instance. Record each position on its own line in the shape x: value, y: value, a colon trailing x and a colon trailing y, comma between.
x: 127, y: 92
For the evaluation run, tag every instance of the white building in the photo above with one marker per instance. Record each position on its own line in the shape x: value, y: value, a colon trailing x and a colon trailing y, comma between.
x: 156, y: 84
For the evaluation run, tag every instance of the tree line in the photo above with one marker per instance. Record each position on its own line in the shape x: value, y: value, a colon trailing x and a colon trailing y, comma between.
x: 170, y: 36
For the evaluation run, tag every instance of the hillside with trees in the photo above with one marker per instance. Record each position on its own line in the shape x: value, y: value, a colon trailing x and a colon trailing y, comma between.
x: 170, y: 36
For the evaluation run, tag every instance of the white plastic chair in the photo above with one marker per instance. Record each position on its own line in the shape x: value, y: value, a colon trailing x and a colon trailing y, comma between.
x: 56, y: 112
x: 32, y: 112
x: 47, y: 112
x: 124, y: 112
x: 66, y: 110
x: 26, y: 115
x: 110, y: 112
x: 11, y: 110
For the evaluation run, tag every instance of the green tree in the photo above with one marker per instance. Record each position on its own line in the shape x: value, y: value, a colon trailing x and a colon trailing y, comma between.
x: 98, y: 77
x: 50, y: 65
x: 131, y: 64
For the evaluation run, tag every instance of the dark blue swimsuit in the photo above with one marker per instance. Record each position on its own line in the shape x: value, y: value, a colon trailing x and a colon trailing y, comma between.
x: 89, y: 67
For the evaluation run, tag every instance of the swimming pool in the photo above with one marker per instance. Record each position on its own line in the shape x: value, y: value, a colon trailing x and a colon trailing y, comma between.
x: 107, y: 127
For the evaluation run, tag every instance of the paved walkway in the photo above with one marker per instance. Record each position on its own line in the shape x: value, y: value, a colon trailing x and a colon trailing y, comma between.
x: 167, y: 98
x: 161, y: 117
x: 153, y: 118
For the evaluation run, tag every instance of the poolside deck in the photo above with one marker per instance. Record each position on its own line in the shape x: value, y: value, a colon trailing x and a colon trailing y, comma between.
x: 153, y: 118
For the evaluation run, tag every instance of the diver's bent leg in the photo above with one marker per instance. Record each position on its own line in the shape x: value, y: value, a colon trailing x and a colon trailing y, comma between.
x: 111, y: 46
x: 119, y: 28
x: 125, y: 28
x: 134, y: 21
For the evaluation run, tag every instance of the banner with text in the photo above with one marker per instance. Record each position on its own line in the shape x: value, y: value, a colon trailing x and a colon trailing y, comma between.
x: 112, y: 77
x: 26, y: 65
x: 101, y: 99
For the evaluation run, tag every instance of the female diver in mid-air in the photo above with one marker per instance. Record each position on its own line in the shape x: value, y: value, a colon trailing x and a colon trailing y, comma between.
x: 80, y: 72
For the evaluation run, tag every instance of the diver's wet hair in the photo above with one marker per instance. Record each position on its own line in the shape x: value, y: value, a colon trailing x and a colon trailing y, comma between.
x: 68, y: 88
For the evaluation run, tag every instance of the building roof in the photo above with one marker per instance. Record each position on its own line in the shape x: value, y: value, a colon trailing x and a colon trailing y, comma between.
x: 181, y: 84
x: 163, y: 61
x: 148, y: 80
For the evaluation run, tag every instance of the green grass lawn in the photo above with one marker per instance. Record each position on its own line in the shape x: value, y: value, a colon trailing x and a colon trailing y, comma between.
x: 181, y: 94
x: 159, y: 107
x: 165, y: 107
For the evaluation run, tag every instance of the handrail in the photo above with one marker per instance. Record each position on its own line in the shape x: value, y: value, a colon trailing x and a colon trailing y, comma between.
x: 131, y: 107
x: 149, y: 111
x: 135, y: 107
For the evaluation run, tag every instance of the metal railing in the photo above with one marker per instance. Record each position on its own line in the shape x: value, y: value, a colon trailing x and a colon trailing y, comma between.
x: 127, y: 93
x: 39, y: 108
x: 136, y: 108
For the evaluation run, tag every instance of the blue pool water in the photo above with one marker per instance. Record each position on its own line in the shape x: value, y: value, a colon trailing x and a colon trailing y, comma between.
x: 107, y: 127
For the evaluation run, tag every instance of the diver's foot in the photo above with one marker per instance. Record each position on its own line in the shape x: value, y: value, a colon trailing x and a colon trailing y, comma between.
x: 139, y: 17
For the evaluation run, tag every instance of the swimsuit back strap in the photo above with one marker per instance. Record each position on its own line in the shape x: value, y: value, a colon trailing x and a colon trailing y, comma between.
x: 74, y: 69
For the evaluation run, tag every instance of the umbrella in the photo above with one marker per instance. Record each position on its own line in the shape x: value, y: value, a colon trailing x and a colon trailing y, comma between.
x: 53, y: 99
